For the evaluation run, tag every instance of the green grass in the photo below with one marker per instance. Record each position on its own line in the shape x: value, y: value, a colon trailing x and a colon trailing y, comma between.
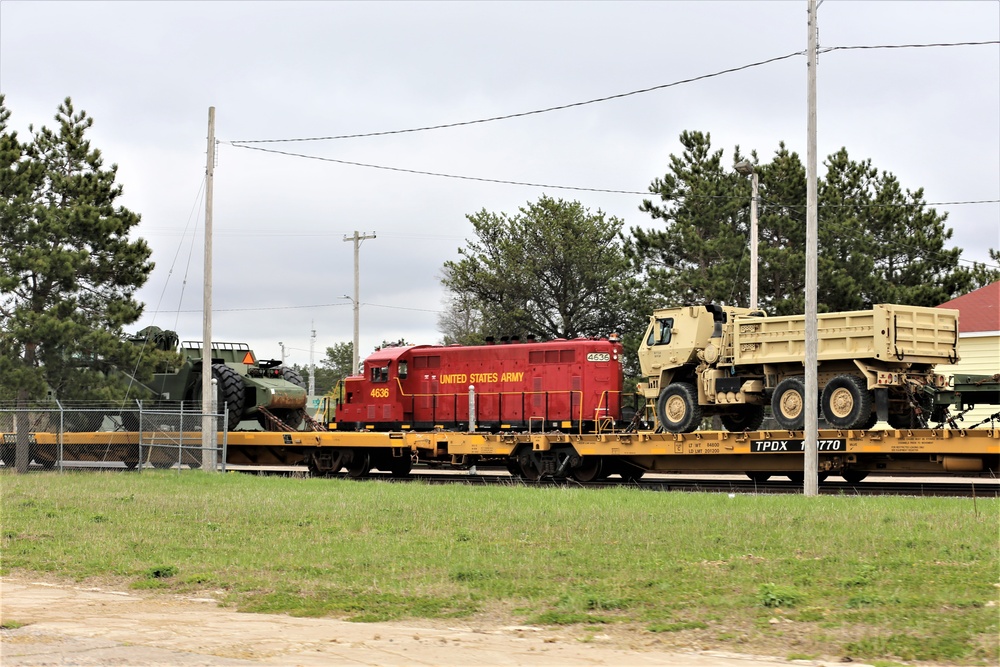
x: 874, y: 578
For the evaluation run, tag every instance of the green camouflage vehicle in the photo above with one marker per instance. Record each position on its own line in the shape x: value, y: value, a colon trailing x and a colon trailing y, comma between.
x: 245, y: 383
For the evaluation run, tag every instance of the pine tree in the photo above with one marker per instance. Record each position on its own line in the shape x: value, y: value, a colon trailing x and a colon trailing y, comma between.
x: 68, y: 269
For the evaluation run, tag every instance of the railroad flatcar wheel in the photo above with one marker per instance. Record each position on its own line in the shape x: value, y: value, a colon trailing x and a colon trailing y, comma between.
x: 631, y: 473
x: 400, y: 467
x: 847, y: 403
x: 744, y: 418
x: 677, y: 408
x: 589, y: 470
x: 788, y: 403
x: 7, y: 454
x: 529, y: 470
x: 759, y: 477
x: 853, y: 476
x: 359, y: 466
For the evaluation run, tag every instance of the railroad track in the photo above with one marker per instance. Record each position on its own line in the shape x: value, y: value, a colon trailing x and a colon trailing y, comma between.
x: 960, y: 488
x: 985, y: 488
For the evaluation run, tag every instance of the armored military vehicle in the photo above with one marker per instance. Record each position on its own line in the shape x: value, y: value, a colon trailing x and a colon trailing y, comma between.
x: 245, y: 383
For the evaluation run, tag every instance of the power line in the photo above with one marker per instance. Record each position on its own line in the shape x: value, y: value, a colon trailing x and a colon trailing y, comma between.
x: 438, y: 174
x: 608, y: 98
x: 526, y: 113
x: 904, y: 46
x: 541, y: 185
x: 317, y: 305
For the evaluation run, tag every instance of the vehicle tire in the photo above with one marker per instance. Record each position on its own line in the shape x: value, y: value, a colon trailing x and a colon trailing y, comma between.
x: 743, y: 418
x: 870, y: 422
x: 292, y: 418
x: 853, y: 476
x: 230, y: 394
x: 677, y: 408
x: 293, y: 376
x: 788, y: 403
x: 759, y: 477
x: 847, y: 403
x: 902, y: 420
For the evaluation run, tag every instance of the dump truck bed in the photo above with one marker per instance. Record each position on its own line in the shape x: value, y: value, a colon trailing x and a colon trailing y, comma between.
x: 888, y: 333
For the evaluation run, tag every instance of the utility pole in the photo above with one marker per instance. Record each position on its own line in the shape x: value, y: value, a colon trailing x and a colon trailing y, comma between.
x: 745, y: 167
x: 312, y: 363
x: 810, y: 454
x: 208, y: 424
x: 357, y: 238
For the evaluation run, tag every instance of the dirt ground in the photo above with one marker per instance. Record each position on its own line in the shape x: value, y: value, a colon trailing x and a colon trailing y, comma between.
x: 59, y: 623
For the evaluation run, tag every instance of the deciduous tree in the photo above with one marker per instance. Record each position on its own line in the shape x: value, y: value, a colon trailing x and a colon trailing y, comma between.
x: 552, y: 270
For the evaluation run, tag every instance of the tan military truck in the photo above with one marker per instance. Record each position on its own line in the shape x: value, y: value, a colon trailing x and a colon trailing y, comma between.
x: 874, y: 365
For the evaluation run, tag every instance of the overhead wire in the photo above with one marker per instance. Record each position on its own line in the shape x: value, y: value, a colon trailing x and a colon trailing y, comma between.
x: 522, y: 114
x: 606, y: 98
x: 245, y: 142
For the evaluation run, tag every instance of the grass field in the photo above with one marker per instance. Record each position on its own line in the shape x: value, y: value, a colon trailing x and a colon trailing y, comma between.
x: 880, y: 579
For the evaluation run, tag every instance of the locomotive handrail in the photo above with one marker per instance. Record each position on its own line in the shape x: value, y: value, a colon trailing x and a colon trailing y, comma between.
x: 604, y: 402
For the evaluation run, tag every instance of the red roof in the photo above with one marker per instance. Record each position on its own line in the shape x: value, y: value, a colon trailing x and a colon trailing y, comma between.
x: 978, y: 310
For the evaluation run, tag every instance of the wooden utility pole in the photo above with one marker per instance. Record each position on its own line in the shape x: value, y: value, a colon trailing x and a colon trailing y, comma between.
x: 357, y: 238
x: 810, y: 454
x: 208, y: 423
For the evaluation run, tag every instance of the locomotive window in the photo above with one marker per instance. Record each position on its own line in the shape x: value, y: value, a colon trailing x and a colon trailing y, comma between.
x: 380, y: 373
x: 660, y: 333
x: 567, y: 356
x: 403, y: 370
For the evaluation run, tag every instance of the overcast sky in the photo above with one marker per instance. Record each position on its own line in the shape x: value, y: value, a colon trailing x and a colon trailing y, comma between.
x: 148, y: 72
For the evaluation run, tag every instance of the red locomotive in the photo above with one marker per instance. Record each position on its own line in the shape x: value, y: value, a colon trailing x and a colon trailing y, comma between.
x: 563, y: 384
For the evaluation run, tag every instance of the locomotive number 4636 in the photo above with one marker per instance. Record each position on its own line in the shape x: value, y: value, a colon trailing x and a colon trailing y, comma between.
x: 380, y: 392
x: 598, y: 356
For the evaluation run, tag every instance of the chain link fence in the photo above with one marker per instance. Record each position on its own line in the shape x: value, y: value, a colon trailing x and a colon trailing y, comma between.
x: 135, y: 436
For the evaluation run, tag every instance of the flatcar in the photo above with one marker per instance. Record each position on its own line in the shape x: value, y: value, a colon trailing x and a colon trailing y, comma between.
x: 562, y: 384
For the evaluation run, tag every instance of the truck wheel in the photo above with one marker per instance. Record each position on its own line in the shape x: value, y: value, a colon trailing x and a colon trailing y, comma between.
x: 230, y: 393
x: 677, y: 408
x: 847, y: 403
x: 788, y: 404
x: 293, y: 376
x: 744, y: 418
